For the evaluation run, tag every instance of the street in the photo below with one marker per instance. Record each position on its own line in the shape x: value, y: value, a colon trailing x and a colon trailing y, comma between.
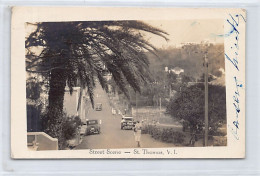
x: 111, y: 135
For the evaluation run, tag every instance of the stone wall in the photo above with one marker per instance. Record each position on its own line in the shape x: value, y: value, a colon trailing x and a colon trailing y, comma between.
x: 41, y: 141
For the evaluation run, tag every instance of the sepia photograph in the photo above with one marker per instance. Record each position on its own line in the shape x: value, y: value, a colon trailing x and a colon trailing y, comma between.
x: 144, y: 84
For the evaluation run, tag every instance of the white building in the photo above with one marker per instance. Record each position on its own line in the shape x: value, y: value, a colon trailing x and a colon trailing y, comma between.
x: 75, y: 104
x: 177, y: 70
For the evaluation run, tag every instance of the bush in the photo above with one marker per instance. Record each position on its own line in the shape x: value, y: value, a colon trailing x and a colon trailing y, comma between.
x: 70, y: 127
x: 168, y: 135
x: 64, y: 128
x: 178, y: 137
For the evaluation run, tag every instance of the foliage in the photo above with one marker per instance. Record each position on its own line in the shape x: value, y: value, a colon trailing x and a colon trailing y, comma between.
x: 33, y: 118
x: 160, y: 88
x: 63, y: 128
x: 168, y: 135
x: 150, y: 95
x: 70, y: 126
x: 185, y: 79
x: 220, y: 140
x: 35, y: 103
x: 78, y: 53
x: 33, y: 89
x: 189, y: 106
x: 190, y: 58
x: 210, y: 78
x: 171, y: 78
x: 85, y: 50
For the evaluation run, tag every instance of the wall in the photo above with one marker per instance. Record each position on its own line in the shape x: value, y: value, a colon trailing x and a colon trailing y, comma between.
x: 41, y: 141
x: 71, y: 101
x: 75, y: 103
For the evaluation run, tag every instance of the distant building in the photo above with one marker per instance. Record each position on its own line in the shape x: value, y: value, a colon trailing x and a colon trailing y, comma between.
x: 177, y: 70
x: 75, y: 104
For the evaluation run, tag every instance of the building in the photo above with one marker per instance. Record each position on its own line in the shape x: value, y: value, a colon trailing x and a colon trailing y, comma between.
x: 177, y: 70
x: 75, y: 104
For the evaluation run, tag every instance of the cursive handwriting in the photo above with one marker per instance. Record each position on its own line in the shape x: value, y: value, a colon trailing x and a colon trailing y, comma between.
x: 234, y: 128
x: 232, y: 55
x: 234, y: 22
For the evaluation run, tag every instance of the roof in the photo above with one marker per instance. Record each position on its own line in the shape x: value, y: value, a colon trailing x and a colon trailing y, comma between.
x: 127, y: 117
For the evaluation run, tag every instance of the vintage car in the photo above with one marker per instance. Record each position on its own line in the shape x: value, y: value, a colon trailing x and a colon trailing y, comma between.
x: 127, y: 123
x: 98, y: 107
x: 93, y: 127
x: 83, y: 129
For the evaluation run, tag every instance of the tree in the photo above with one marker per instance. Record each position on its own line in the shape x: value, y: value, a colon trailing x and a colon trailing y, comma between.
x: 186, y: 79
x: 76, y: 53
x: 189, y: 106
x: 190, y: 58
x: 33, y: 89
x: 171, y: 78
x: 210, y: 78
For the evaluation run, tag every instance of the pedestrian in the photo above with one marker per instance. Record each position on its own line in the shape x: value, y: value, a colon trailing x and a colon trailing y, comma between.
x: 193, y: 139
x: 113, y: 111
x: 137, y: 133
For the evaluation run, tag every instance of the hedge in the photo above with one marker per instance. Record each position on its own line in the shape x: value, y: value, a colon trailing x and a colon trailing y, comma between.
x: 168, y: 135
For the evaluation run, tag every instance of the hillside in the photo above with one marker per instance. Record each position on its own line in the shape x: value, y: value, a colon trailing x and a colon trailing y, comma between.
x: 190, y: 58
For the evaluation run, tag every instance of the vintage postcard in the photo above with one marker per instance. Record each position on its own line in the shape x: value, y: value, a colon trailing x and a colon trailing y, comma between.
x: 103, y: 82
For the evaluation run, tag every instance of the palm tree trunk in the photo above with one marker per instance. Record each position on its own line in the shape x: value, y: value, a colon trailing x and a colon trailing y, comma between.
x: 55, y: 108
x: 57, y: 88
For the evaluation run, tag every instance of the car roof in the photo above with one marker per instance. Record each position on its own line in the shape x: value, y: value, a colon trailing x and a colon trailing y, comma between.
x: 127, y: 117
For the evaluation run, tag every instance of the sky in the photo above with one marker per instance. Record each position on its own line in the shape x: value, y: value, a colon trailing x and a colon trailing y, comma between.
x: 187, y: 31
x: 180, y: 31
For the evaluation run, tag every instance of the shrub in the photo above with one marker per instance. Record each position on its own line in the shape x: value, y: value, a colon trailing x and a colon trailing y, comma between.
x: 220, y: 140
x: 178, y: 137
x: 145, y: 129
x: 70, y: 126
x: 69, y: 129
x: 168, y: 135
x: 65, y: 128
x: 156, y: 133
x: 77, y: 120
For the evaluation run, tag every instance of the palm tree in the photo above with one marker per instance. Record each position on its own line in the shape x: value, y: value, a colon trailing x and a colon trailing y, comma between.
x: 80, y: 52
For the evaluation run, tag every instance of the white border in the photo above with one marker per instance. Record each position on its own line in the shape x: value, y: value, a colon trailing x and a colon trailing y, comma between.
x: 247, y: 166
x: 37, y: 14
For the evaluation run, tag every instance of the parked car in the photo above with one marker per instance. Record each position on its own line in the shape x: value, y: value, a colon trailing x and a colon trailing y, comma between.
x: 98, y: 107
x: 83, y: 129
x: 127, y: 123
x: 93, y: 127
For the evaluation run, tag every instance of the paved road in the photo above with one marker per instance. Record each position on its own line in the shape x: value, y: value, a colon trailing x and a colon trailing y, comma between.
x: 111, y: 135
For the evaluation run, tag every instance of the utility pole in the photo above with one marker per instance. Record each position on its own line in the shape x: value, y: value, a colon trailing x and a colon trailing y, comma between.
x: 160, y: 108
x: 206, y: 99
x: 170, y: 90
x: 136, y: 104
